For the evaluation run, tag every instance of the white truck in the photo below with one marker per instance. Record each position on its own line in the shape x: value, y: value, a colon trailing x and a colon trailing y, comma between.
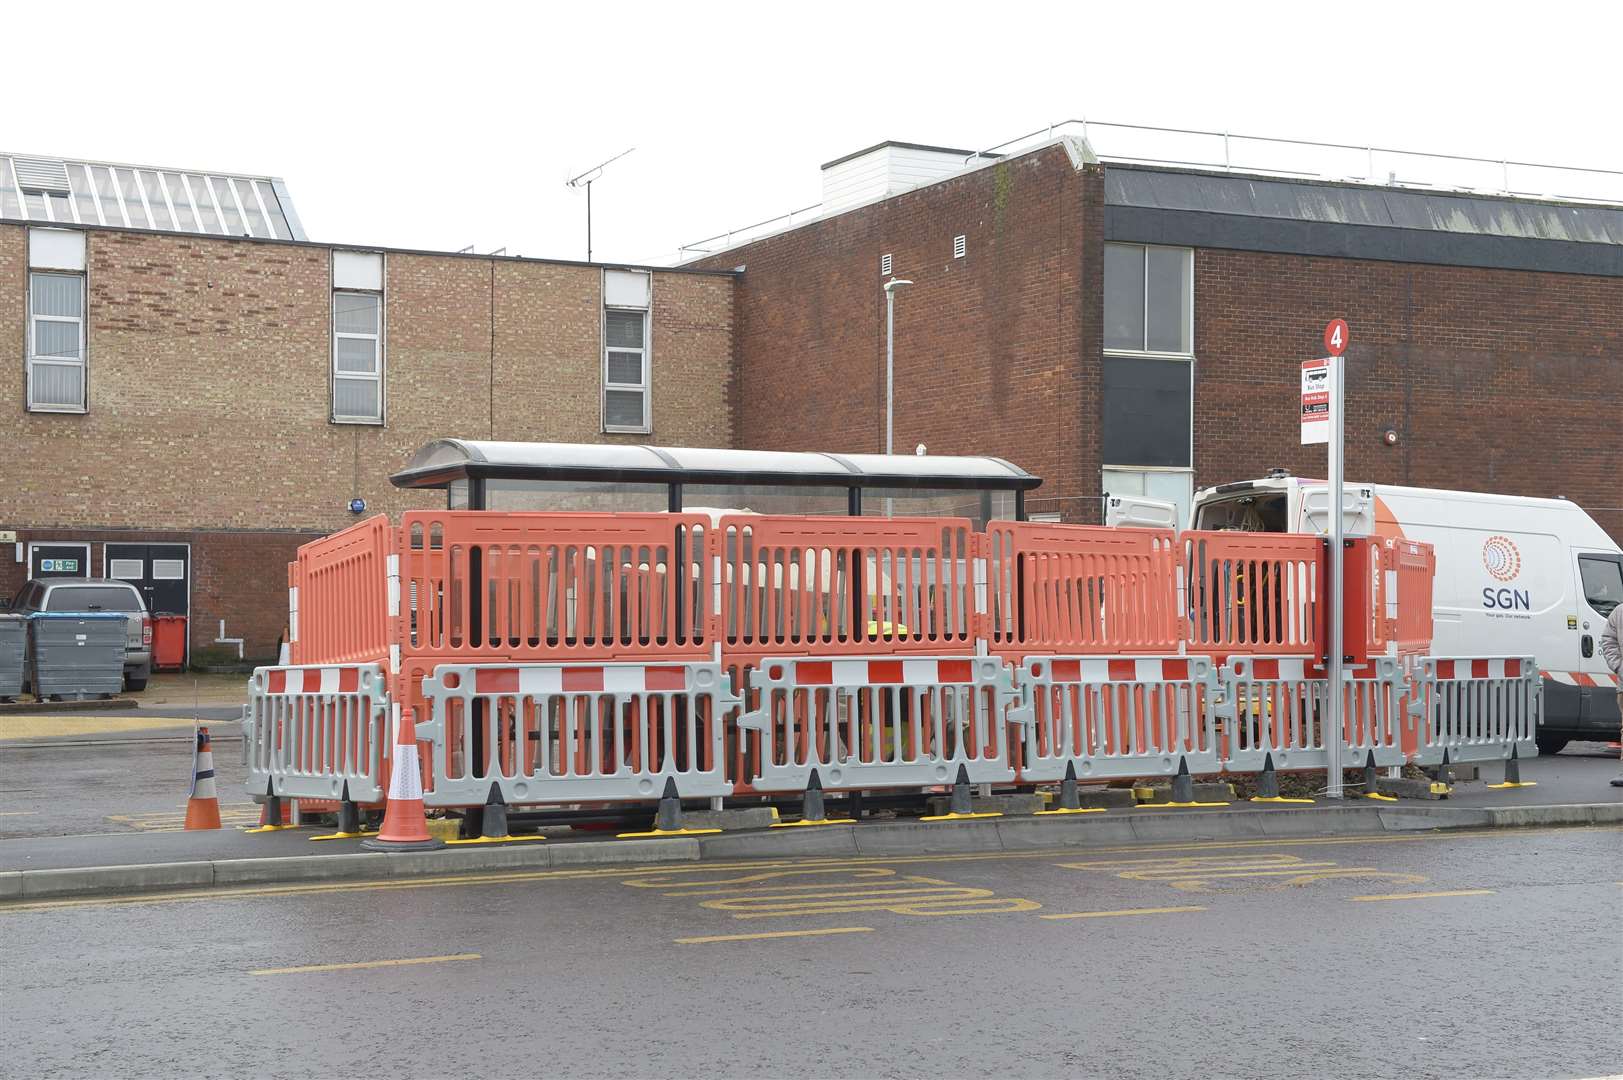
x: 1515, y: 575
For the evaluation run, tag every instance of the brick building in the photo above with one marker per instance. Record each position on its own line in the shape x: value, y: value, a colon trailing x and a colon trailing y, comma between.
x: 1126, y: 327
x: 187, y: 402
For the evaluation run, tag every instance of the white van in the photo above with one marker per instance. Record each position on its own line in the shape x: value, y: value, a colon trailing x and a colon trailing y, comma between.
x: 1515, y: 575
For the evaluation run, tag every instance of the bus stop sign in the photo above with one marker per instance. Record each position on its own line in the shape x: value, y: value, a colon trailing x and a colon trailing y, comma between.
x: 1335, y: 337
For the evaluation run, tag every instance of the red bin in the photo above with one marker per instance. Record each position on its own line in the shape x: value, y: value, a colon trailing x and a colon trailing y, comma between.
x: 169, y: 642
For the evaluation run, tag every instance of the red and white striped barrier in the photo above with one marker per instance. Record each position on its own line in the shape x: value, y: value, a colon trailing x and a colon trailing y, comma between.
x: 310, y: 729
x: 1276, y: 706
x: 1117, y: 717
x: 564, y: 733
x: 872, y: 722
x: 1476, y: 708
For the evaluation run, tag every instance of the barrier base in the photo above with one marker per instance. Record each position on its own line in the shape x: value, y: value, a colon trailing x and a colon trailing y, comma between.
x: 1509, y: 784
x: 1378, y: 797
x: 803, y: 822
x: 958, y: 817
x: 271, y: 828
x: 1277, y: 798
x: 495, y: 839
x: 1159, y: 805
x: 1071, y: 810
x: 665, y: 832
x: 341, y: 836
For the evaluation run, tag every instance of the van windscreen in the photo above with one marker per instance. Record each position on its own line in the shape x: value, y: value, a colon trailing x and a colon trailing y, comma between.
x: 1246, y: 513
x: 93, y: 598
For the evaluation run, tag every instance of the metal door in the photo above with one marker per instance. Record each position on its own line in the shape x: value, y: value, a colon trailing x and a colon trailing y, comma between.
x: 58, y: 560
x: 163, y: 573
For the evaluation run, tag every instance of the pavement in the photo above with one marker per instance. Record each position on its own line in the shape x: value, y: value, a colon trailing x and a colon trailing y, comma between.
x: 103, y: 812
x: 1489, y: 953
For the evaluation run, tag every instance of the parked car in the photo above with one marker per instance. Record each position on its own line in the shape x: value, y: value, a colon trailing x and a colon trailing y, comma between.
x: 97, y: 594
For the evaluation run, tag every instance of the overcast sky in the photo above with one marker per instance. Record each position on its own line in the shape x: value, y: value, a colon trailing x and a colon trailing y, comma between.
x: 442, y: 125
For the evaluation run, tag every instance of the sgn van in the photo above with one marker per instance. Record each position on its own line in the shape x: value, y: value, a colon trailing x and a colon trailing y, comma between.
x: 1516, y: 576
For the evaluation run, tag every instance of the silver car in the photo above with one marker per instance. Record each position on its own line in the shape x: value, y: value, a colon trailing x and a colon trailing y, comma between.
x: 98, y: 594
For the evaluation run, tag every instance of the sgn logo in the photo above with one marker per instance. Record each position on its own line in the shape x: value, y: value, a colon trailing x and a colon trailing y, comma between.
x: 1503, y: 561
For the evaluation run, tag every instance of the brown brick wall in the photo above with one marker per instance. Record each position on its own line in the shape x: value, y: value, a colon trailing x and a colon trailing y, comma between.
x: 1494, y: 380
x: 209, y: 400
x: 996, y: 352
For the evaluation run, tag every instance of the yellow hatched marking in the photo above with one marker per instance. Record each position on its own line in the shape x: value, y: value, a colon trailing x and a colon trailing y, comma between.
x: 1426, y: 895
x: 1124, y: 911
x: 169, y: 821
x: 369, y: 964
x: 775, y: 934
x: 18, y: 728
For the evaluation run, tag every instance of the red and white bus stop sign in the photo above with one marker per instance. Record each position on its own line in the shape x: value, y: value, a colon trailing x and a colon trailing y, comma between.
x: 1335, y: 337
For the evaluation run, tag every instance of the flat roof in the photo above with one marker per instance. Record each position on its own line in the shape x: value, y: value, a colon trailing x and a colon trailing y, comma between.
x: 445, y: 460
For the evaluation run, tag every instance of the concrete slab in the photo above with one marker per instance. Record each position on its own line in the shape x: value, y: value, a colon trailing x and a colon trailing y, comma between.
x: 1012, y: 805
x: 1422, y: 817
x: 1079, y: 830
x: 11, y: 885
x: 37, y: 884
x: 610, y: 852
x: 734, y: 820
x: 800, y: 841
x: 1350, y: 820
x: 1194, y: 824
x: 928, y: 837
x: 300, y: 868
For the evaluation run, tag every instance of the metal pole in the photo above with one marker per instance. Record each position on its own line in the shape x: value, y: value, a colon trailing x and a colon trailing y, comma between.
x: 588, y: 221
x: 890, y: 369
x: 1333, y: 736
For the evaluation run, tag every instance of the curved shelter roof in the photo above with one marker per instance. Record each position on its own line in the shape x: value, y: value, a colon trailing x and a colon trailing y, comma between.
x: 445, y: 460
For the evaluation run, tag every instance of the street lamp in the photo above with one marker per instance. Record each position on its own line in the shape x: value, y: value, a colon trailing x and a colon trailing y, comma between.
x: 890, y: 359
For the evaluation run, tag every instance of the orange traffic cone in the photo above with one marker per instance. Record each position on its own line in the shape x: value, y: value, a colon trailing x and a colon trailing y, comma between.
x: 405, y: 826
x: 203, y: 805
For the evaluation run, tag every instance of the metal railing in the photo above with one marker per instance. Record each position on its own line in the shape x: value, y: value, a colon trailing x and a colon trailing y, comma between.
x: 1228, y: 151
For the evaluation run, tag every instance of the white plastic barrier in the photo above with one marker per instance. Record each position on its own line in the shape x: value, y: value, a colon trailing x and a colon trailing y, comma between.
x: 308, y: 730
x: 1476, y: 708
x: 1277, y: 706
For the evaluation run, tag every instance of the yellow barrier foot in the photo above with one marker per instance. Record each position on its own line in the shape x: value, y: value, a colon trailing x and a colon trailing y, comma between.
x: 1508, y: 784
x: 1074, y: 810
x: 666, y: 832
x: 1143, y: 794
x: 957, y: 817
x: 1277, y: 798
x: 341, y: 836
x: 1440, y: 788
x: 495, y: 839
x: 271, y: 828
x: 1159, y: 805
x: 804, y: 822
x: 1379, y: 797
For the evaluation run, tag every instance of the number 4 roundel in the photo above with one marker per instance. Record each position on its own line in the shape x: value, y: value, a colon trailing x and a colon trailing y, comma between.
x: 1335, y: 337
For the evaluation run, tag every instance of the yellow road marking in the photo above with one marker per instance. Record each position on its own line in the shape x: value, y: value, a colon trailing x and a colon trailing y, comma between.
x: 14, y: 728
x: 774, y: 934
x: 1125, y: 911
x: 678, y: 869
x: 167, y: 821
x: 1425, y: 895
x: 368, y: 964
x: 18, y: 813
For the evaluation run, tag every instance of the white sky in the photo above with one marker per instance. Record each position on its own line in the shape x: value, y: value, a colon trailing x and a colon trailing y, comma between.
x: 441, y: 125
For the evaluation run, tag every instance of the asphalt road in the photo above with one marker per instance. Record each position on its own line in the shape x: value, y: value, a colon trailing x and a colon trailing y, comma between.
x: 1433, y: 955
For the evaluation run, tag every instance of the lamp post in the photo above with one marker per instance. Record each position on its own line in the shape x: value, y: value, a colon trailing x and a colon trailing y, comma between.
x: 890, y: 360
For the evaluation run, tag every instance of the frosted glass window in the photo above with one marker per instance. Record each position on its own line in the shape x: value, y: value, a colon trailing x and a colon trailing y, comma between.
x: 56, y: 364
x: 357, y: 357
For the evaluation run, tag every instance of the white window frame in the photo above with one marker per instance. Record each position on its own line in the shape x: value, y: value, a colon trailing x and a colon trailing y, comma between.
x: 1189, y: 308
x: 378, y: 366
x: 645, y: 387
x: 34, y: 360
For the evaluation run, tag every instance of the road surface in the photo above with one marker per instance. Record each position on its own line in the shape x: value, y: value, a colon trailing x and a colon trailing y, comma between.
x: 1433, y: 955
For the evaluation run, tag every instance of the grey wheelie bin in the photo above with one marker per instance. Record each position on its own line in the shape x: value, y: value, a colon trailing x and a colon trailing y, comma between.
x: 13, y: 646
x: 74, y: 654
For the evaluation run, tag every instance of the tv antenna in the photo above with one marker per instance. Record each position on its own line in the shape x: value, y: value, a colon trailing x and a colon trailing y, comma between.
x: 585, y: 180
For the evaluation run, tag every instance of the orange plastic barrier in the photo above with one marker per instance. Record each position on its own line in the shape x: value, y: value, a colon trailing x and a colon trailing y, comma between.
x: 547, y: 586
x: 343, y: 583
x: 1081, y: 590
x: 1411, y: 569
x: 1254, y: 593
x: 795, y: 585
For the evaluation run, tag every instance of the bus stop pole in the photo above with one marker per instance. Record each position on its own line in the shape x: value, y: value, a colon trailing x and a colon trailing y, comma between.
x: 1333, y: 736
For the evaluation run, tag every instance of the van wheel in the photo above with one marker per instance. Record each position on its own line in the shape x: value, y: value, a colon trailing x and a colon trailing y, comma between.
x: 1551, y: 744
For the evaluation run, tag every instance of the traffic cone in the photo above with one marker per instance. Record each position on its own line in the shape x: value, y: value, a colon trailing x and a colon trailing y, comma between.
x: 962, y: 806
x: 405, y: 825
x: 203, y: 804
x: 1070, y: 798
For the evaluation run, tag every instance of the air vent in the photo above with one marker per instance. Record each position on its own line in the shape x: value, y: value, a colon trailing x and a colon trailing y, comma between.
x: 958, y: 247
x: 884, y: 265
x: 36, y: 175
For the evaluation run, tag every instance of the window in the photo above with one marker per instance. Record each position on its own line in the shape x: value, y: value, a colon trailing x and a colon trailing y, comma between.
x: 357, y: 338
x: 1149, y: 299
x: 94, y: 598
x: 126, y: 569
x: 625, y: 351
x: 1147, y: 412
x: 1176, y: 486
x: 56, y: 321
x: 1603, y: 582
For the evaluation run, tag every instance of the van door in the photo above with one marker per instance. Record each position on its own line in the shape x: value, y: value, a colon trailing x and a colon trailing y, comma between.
x: 1600, y: 578
x: 1357, y: 510
x: 1139, y: 512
